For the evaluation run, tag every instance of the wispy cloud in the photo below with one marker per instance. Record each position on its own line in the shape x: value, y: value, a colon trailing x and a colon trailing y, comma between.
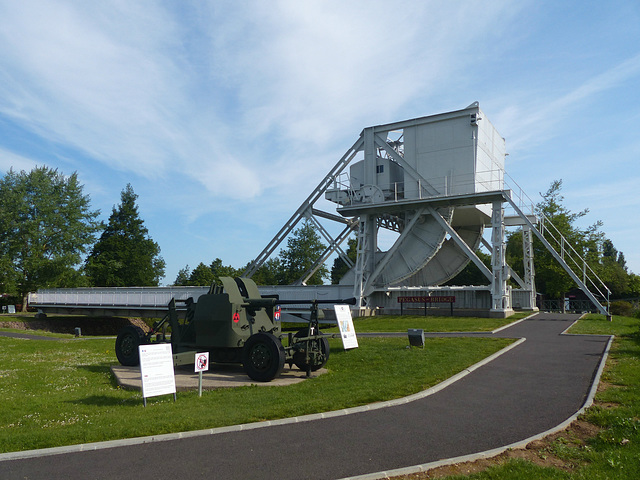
x: 531, y: 121
x: 134, y: 86
x: 9, y: 160
x: 76, y: 78
x: 240, y: 108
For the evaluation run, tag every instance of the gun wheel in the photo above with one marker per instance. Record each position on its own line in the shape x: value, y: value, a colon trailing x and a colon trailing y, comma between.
x: 127, y: 342
x: 263, y: 357
x: 318, y: 356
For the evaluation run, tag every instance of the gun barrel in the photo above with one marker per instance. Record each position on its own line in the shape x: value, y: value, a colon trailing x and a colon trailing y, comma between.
x: 270, y: 302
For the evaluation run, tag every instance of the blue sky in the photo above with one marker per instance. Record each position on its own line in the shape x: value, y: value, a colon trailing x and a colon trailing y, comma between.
x: 225, y: 115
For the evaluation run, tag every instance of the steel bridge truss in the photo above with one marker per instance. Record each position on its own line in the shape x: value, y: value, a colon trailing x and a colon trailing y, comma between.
x: 368, y: 218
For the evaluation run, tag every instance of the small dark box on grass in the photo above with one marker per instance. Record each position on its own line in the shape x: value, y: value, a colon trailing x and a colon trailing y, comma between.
x: 416, y: 337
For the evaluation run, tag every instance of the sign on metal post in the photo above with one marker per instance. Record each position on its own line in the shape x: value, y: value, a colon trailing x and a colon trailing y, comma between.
x: 450, y: 299
x: 156, y: 371
x: 345, y: 325
x: 201, y: 364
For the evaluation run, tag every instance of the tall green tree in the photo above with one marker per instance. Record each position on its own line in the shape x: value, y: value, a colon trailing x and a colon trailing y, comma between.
x: 201, y: 276
x: 220, y: 270
x: 304, y: 248
x: 46, y: 225
x: 125, y: 255
x: 612, y: 270
x: 340, y: 267
x: 551, y: 278
x: 269, y: 272
x: 204, y: 275
x: 182, y: 278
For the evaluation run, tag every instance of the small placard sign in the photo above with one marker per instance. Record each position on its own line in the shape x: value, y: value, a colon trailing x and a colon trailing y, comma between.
x: 156, y: 370
x: 201, y: 362
x: 345, y: 325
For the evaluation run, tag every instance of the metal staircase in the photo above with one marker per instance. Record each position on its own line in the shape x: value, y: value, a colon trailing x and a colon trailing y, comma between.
x: 563, y: 252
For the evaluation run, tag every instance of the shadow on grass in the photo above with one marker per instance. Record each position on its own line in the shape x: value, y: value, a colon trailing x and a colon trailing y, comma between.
x: 106, y: 401
x: 635, y: 338
x: 101, y: 369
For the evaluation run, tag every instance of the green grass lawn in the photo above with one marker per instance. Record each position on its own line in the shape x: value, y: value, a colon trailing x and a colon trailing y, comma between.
x: 62, y: 393
x: 398, y: 323
x: 58, y: 393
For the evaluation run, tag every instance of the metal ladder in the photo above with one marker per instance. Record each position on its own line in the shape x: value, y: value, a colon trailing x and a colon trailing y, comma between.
x: 563, y: 252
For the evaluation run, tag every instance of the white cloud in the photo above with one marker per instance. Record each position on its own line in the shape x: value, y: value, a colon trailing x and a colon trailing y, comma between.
x: 531, y: 120
x: 109, y: 82
x: 124, y: 84
x: 241, y: 108
x: 326, y: 65
x: 84, y: 83
x: 9, y: 160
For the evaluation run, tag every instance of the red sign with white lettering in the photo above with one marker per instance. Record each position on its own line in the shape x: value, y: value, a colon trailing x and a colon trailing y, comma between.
x: 425, y: 299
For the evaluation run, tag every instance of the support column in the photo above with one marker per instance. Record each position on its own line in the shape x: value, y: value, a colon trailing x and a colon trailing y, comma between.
x: 365, y: 260
x: 529, y: 271
x: 500, y: 298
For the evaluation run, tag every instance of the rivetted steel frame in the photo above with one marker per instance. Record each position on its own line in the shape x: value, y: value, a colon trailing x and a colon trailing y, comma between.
x: 366, y: 221
x: 367, y: 225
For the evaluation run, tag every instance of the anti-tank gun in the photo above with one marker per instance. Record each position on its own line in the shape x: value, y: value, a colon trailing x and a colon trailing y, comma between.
x: 235, y: 324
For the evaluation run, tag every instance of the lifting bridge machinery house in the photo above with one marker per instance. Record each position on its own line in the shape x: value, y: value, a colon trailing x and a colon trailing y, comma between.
x: 439, y: 183
x: 433, y: 188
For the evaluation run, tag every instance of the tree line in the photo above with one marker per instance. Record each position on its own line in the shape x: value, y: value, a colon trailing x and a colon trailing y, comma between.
x: 48, y: 237
x: 304, y: 248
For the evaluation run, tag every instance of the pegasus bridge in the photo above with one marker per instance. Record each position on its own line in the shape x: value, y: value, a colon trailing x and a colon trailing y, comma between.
x: 436, y: 186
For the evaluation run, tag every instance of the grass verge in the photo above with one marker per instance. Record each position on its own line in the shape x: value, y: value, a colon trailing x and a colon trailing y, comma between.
x: 401, y: 323
x: 62, y: 393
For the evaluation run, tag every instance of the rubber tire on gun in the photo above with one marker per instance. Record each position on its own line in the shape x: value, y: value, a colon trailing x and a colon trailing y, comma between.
x: 299, y: 357
x: 127, y: 342
x: 263, y: 357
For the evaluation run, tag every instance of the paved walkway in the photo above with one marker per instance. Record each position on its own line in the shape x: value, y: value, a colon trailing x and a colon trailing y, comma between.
x: 532, y: 388
x: 26, y: 336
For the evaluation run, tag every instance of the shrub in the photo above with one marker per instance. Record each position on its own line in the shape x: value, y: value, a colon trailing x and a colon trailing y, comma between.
x: 620, y: 307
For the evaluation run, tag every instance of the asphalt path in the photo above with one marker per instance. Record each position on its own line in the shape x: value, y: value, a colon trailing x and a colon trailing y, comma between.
x: 26, y: 336
x: 530, y: 389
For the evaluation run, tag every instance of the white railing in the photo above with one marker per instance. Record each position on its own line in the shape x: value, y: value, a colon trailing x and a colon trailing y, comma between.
x: 574, y: 259
x: 523, y: 200
x: 421, y: 189
x: 154, y: 297
x: 115, y: 296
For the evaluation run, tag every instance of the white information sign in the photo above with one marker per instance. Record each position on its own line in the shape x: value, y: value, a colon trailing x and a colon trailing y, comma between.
x: 201, y: 362
x: 156, y: 370
x: 345, y: 325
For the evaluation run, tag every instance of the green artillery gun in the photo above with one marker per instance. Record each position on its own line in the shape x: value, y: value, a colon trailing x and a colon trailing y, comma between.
x: 235, y: 324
